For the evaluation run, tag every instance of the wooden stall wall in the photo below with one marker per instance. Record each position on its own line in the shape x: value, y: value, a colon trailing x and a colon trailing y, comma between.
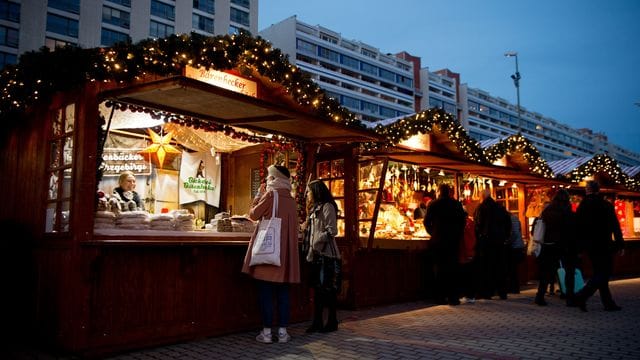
x: 22, y: 146
x: 384, y: 276
x: 148, y: 295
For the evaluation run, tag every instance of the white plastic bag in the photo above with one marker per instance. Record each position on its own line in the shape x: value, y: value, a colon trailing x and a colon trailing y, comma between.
x: 535, y: 244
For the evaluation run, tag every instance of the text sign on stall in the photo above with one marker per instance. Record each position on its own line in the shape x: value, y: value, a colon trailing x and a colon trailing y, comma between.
x: 116, y: 160
x: 223, y: 80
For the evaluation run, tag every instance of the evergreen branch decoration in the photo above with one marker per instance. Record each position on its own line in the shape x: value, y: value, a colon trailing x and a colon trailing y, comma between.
x: 518, y: 143
x: 430, y: 121
x: 32, y: 81
x: 602, y: 163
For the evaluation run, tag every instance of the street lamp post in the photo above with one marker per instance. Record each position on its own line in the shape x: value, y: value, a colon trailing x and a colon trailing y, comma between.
x: 516, y: 81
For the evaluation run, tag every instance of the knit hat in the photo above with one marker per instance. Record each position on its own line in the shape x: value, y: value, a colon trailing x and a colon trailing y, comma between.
x: 278, y: 171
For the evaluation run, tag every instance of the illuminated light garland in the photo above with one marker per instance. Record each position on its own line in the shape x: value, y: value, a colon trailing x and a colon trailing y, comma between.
x: 603, y: 163
x: 31, y: 80
x: 519, y: 144
x: 425, y: 122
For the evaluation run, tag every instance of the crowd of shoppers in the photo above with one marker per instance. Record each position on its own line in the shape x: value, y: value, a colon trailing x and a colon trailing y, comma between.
x: 471, y: 256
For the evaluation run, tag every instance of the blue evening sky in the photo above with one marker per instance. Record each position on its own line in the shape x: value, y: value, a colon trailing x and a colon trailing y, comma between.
x: 579, y: 59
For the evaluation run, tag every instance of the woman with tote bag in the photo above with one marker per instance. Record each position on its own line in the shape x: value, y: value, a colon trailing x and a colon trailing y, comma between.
x: 272, y: 278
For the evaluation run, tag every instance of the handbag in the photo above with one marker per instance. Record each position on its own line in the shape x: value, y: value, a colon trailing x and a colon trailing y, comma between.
x: 266, y: 245
x: 535, y: 245
x: 329, y: 271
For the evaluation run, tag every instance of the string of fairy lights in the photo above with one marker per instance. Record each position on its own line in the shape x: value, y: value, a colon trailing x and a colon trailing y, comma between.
x: 603, y: 163
x: 519, y: 144
x: 31, y: 81
x: 425, y: 122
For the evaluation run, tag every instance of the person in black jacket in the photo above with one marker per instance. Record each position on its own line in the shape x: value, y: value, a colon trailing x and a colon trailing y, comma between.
x: 493, y: 231
x: 445, y: 220
x: 559, y: 244
x: 597, y: 222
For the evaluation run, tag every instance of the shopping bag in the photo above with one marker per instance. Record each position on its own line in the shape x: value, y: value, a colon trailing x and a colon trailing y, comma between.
x: 266, y: 245
x: 578, y: 282
x: 535, y: 244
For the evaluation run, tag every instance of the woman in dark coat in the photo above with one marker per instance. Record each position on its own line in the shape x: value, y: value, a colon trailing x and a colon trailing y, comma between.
x: 559, y: 245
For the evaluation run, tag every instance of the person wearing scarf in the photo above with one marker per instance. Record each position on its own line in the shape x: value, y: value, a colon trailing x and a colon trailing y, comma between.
x: 276, y: 279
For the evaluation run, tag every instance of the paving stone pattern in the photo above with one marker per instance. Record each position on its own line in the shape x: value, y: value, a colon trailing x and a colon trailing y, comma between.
x: 489, y: 329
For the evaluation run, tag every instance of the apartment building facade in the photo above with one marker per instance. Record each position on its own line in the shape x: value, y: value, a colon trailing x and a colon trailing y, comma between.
x: 371, y: 84
x: 29, y: 25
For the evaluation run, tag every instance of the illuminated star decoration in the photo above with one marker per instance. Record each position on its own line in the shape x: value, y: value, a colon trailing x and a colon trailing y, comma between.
x: 160, y: 149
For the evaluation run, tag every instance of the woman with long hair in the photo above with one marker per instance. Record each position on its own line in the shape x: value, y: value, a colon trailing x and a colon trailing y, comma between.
x: 323, y: 254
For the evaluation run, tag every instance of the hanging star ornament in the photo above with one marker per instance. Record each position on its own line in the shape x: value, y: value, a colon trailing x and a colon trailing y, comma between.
x: 160, y: 149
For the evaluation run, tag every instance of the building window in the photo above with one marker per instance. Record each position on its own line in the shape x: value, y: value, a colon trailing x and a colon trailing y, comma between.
x: 234, y: 30
x: 243, y: 3
x: 126, y: 3
x: 159, y: 30
x: 109, y: 37
x: 7, y: 59
x: 239, y: 16
x: 305, y: 46
x: 406, y: 81
x: 116, y: 17
x: 9, y: 36
x: 207, y: 6
x: 369, y: 107
x: 9, y: 11
x: 329, y: 38
x: 328, y: 54
x: 62, y: 25
x: 162, y: 10
x: 202, y: 23
x: 388, y: 75
x: 368, y: 68
x: 450, y: 108
x: 72, y: 6
x: 369, y: 53
x: 387, y: 112
x: 53, y: 44
x: 351, y: 102
x: 60, y: 169
x: 350, y: 62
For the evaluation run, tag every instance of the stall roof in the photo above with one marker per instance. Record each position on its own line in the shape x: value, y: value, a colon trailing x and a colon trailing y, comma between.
x: 565, y: 166
x: 631, y: 171
x: 451, y: 163
x: 182, y: 95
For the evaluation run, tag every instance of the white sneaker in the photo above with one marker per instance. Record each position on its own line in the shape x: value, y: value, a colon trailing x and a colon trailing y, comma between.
x: 283, y: 338
x: 263, y: 338
x: 471, y: 300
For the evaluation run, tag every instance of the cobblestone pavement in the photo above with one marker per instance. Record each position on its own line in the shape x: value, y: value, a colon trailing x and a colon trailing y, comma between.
x: 489, y: 329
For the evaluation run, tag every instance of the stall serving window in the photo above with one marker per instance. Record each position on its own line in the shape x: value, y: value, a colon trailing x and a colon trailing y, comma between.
x: 180, y: 172
x: 392, y: 198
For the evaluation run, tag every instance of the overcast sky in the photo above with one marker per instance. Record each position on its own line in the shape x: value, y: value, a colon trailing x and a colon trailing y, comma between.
x: 579, y: 59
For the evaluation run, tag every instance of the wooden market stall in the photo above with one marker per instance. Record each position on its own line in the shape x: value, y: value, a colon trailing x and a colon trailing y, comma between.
x: 95, y: 287
x: 383, y: 185
x: 621, y: 189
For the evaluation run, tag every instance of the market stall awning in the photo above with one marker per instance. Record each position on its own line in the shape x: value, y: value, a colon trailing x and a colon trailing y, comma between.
x: 437, y: 160
x: 189, y: 97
